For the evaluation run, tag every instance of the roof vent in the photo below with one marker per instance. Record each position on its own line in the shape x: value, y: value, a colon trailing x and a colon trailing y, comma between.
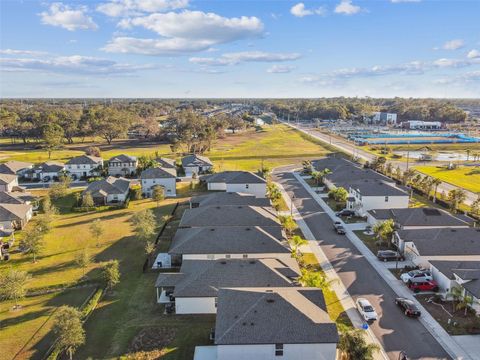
x: 240, y: 207
x: 223, y: 262
x: 212, y: 229
x: 251, y: 324
x: 270, y: 301
x: 247, y: 229
x: 252, y: 262
x: 453, y: 230
x: 218, y: 207
x: 236, y: 316
x: 244, y: 323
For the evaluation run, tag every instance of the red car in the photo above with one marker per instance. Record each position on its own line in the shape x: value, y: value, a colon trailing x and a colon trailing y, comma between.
x: 417, y: 286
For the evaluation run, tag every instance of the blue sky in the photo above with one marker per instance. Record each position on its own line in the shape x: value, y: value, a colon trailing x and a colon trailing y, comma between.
x: 188, y: 48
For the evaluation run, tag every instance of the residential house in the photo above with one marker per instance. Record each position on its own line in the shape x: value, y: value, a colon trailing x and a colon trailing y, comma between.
x: 49, y: 170
x: 371, y: 194
x: 16, y: 197
x: 14, y: 167
x: 166, y: 163
x: 122, y: 165
x: 15, y: 216
x: 463, y: 274
x: 289, y: 323
x: 228, y: 198
x: 110, y: 191
x: 238, y: 242
x: 424, y: 245
x: 194, y: 289
x: 8, y: 182
x: 84, y: 166
x: 196, y: 164
x: 230, y: 216
x: 237, y: 181
x: 418, y: 218
x: 164, y: 177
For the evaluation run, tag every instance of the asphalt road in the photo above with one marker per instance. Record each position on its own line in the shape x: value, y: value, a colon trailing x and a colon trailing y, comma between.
x: 394, y: 330
x: 351, y: 149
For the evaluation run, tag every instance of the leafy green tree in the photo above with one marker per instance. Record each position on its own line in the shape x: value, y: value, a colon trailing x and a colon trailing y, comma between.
x: 384, y: 230
x: 158, y: 194
x: 13, y: 285
x: 288, y: 224
x: 93, y: 151
x: 311, y: 278
x: 68, y: 329
x: 84, y: 259
x: 338, y: 194
x: 475, y: 207
x: 456, y: 197
x: 111, y: 273
x: 354, y: 347
x: 97, y: 230
x: 33, y: 240
x: 87, y: 200
x: 144, y: 224
x: 53, y: 136
x: 295, y: 242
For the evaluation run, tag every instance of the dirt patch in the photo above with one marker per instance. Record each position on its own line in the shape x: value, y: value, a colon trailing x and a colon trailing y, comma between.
x: 150, y: 343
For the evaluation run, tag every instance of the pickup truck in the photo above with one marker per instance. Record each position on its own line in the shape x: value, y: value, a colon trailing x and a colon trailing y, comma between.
x: 337, y: 225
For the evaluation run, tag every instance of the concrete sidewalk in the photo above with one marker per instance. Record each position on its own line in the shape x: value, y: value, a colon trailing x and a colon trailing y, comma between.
x: 336, y: 284
x: 435, y: 329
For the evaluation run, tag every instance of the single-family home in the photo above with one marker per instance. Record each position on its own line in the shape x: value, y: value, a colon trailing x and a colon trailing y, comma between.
x: 16, y: 197
x: 238, y: 242
x: 110, y: 191
x: 237, y: 181
x: 122, y: 165
x: 194, y: 289
x: 157, y: 176
x: 371, y: 194
x: 196, y: 164
x: 47, y: 171
x: 418, y: 218
x: 166, y: 163
x: 423, y: 245
x: 15, y: 216
x: 14, y: 167
x: 271, y: 323
x: 8, y: 182
x: 230, y: 216
x: 463, y: 274
x: 84, y: 166
x: 228, y: 198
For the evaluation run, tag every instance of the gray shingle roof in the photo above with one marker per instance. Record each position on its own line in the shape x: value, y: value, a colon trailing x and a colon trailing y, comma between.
x: 123, y: 158
x: 201, y: 278
x: 229, y: 240
x: 50, y: 166
x: 418, y: 217
x: 234, y: 177
x: 195, y: 160
x: 13, y: 166
x: 10, y: 212
x: 109, y: 186
x: 158, y: 173
x: 466, y: 270
x: 229, y: 216
x: 7, y: 178
x: 8, y: 198
x: 371, y: 187
x: 273, y: 316
x: 166, y: 163
x: 444, y: 241
x: 229, y: 198
x: 84, y: 159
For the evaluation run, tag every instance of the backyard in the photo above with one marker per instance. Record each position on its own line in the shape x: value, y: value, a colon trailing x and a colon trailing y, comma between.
x: 465, y: 177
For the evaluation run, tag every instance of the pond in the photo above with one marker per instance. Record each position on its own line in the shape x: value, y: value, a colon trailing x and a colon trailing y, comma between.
x: 437, y: 156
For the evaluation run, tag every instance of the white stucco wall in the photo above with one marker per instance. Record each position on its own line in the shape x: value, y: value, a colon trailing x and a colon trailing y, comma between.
x: 259, y: 190
x: 118, y: 198
x: 444, y: 283
x: 9, y: 187
x: 190, y: 170
x: 267, y: 352
x: 198, y: 305
x: 217, y: 186
x: 169, y: 184
x: 82, y: 169
x: 118, y: 170
x: 235, y: 256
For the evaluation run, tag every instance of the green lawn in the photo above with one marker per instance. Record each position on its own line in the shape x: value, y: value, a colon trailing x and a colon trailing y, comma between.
x: 461, y: 176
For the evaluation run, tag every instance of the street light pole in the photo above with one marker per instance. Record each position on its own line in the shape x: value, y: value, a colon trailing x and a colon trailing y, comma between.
x: 291, y: 205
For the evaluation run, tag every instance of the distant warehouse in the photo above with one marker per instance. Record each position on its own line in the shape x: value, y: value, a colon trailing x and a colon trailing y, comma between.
x: 421, y: 125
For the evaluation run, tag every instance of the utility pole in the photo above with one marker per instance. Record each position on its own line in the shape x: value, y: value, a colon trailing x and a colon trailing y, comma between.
x: 408, y: 153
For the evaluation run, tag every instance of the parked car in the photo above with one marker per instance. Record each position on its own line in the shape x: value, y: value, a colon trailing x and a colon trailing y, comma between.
x: 337, y: 225
x: 366, y: 309
x: 416, y: 275
x: 389, y: 255
x: 345, y: 212
x: 417, y: 286
x: 408, y: 306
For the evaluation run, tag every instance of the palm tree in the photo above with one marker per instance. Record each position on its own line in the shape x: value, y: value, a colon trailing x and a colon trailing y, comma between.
x: 436, y: 183
x: 353, y: 346
x: 466, y: 301
x: 456, y: 293
x: 388, y: 169
x: 468, y: 154
x: 295, y: 242
x: 456, y: 198
x: 311, y: 278
x: 408, y: 176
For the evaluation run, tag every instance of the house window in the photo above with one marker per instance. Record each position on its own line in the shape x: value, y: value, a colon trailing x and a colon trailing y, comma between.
x: 278, y: 349
x: 228, y: 256
x: 245, y: 256
x: 216, y: 302
x: 386, y: 198
x: 246, y: 186
x: 210, y: 257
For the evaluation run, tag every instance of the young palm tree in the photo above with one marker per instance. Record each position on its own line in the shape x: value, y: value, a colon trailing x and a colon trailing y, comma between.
x: 353, y: 346
x: 455, y: 293
x: 295, y: 242
x: 436, y: 183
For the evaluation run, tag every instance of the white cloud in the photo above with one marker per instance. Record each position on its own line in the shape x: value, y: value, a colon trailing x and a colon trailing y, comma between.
x: 75, y: 64
x: 347, y: 8
x: 185, y: 32
x: 451, y: 63
x: 280, y: 69
x: 67, y: 17
x: 245, y: 56
x: 473, y: 54
x: 404, y: 1
x: 117, y: 8
x: 453, y: 44
x: 299, y: 10
x: 21, y: 52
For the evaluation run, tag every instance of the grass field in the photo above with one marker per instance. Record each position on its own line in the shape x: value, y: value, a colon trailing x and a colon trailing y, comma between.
x: 461, y: 176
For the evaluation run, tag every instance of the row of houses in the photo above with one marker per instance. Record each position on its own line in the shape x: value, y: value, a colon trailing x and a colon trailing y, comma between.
x: 431, y: 238
x: 232, y: 259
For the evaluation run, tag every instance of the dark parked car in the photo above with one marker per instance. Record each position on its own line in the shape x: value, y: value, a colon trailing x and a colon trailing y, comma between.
x: 408, y: 306
x: 389, y: 255
x: 337, y: 225
x: 345, y: 212
x: 417, y: 286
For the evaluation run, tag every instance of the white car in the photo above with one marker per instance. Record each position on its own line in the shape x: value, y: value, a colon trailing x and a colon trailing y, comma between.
x: 366, y: 309
x: 416, y: 275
